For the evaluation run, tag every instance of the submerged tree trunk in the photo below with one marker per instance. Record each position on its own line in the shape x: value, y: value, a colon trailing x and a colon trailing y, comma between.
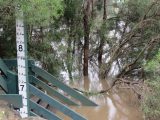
x: 69, y: 58
x: 69, y: 62
x: 86, y: 36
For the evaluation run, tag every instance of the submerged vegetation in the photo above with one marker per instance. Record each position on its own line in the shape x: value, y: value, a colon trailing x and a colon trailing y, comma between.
x: 119, y: 39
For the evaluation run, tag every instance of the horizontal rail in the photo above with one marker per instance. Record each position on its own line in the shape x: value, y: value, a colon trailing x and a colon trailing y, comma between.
x: 13, y: 62
x: 54, y: 103
x: 51, y: 91
x: 50, y: 78
x: 14, y: 99
x: 39, y: 110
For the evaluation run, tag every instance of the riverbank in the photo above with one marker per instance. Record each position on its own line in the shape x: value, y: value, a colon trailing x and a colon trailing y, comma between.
x: 7, y: 113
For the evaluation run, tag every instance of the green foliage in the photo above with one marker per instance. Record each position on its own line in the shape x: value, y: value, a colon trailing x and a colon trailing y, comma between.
x: 99, y: 5
x: 71, y: 9
x: 153, y: 65
x: 41, y: 12
x: 37, y: 12
x: 134, y: 10
x: 151, y: 104
x: 7, y: 32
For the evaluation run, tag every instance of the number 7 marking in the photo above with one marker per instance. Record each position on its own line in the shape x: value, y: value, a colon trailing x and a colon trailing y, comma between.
x: 22, y: 86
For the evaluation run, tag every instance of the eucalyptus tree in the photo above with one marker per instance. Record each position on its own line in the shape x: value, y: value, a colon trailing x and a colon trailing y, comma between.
x: 86, y: 24
x: 72, y: 19
x: 136, y: 36
x: 102, y: 34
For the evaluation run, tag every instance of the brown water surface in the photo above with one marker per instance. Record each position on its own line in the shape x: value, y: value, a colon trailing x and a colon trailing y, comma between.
x: 117, y: 104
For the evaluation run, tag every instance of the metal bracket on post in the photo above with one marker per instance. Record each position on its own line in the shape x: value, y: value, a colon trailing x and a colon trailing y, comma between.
x: 22, y: 62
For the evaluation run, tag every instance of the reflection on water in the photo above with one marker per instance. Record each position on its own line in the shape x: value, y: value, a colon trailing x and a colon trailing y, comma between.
x: 91, y: 113
x: 117, y: 104
x: 111, y: 108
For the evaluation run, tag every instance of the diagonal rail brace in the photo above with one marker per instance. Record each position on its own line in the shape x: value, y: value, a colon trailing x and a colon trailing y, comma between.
x: 50, y: 78
x: 3, y: 67
x: 54, y: 103
x: 3, y: 84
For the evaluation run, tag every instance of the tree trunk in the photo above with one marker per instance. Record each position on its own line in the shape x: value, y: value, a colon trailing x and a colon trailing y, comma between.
x: 86, y: 37
x: 105, y: 10
x: 100, y: 53
x: 69, y: 61
x: 102, y: 41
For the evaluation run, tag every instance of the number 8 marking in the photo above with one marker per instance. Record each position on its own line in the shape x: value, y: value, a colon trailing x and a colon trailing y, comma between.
x: 20, y: 48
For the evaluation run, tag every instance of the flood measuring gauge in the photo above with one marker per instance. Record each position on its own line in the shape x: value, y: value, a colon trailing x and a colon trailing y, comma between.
x: 22, y: 64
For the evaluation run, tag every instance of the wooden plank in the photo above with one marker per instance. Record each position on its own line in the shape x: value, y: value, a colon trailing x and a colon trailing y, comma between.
x: 14, y: 99
x: 3, y: 84
x: 33, y: 114
x: 51, y: 91
x: 40, y: 111
x: 3, y: 67
x: 2, y: 91
x: 12, y: 82
x: 54, y: 103
x: 10, y: 62
x: 44, y: 74
x: 13, y: 62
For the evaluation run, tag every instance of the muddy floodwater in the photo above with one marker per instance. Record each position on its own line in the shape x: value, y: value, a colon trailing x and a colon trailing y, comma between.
x: 117, y: 104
